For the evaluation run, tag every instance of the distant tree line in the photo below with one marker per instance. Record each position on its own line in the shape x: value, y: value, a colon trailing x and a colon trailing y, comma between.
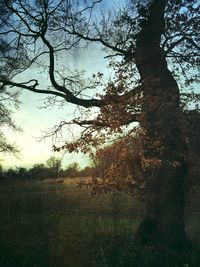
x: 117, y: 164
x: 52, y: 169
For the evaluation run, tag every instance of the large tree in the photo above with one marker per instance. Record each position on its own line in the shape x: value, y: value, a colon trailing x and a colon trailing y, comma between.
x: 153, y: 48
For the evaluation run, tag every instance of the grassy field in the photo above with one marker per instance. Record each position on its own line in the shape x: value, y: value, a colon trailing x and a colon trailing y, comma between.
x: 45, y: 224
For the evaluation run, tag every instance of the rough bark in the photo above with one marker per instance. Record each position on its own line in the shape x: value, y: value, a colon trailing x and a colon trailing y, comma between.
x: 164, y: 223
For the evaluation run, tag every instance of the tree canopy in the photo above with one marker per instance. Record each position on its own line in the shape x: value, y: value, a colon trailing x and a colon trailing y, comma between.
x: 39, y: 30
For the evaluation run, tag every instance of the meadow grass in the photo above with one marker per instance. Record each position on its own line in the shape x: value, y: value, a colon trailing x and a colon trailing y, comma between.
x: 46, y: 224
x: 51, y: 224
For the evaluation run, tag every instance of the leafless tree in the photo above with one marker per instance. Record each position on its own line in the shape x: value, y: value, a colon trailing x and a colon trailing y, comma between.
x: 8, y: 99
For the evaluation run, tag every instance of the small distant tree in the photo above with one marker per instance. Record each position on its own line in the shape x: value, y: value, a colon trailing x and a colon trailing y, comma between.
x: 72, y: 170
x: 39, y: 171
x: 54, y: 165
x: 22, y: 173
x: 11, y: 173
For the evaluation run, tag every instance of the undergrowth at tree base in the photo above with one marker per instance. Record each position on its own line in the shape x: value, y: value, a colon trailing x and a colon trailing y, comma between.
x: 119, y: 250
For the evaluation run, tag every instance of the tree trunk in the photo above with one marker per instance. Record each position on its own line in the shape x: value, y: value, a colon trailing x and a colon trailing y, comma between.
x: 164, y: 167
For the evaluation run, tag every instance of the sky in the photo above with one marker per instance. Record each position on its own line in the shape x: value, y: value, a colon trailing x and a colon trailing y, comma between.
x: 34, y: 120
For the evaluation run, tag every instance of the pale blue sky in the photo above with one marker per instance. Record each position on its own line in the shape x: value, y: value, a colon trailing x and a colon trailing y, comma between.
x: 33, y: 120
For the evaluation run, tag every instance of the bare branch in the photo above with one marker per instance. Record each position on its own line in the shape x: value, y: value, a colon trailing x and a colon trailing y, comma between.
x: 99, y: 40
x: 96, y: 122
